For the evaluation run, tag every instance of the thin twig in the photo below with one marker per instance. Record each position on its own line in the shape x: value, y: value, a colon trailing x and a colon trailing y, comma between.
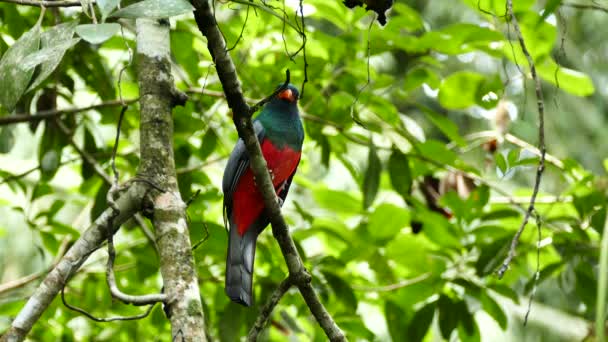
x: 267, y: 309
x: 541, y: 140
x: 42, y: 3
x: 85, y: 156
x: 392, y: 287
x: 585, y: 6
x: 253, y: 109
x: 106, y: 319
x: 49, y: 114
x: 34, y: 169
x: 111, y: 280
x: 537, y: 272
x: 117, y: 293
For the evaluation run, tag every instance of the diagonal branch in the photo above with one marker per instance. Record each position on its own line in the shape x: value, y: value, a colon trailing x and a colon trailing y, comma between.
x: 89, y: 241
x: 266, y: 310
x: 241, y: 115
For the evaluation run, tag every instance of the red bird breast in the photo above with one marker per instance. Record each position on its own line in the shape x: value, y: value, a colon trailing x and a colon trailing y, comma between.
x: 247, y: 201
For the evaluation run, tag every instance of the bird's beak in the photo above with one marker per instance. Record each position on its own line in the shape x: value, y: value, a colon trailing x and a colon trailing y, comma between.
x: 287, y: 95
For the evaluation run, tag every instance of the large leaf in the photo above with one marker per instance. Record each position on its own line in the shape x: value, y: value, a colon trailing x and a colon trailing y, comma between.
x: 493, y: 309
x: 156, y: 9
x: 97, y: 33
x: 449, y: 315
x: 459, y: 90
x: 395, y: 317
x: 106, y: 7
x: 400, y: 173
x: 54, y: 39
x: 421, y: 322
x: 335, y: 200
x: 386, y: 221
x: 371, y: 182
x: 13, y: 79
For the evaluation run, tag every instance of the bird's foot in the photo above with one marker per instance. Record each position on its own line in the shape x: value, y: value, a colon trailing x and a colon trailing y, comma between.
x: 280, y: 201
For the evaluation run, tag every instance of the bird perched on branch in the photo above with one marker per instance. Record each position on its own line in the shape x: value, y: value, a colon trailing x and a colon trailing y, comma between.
x: 280, y: 133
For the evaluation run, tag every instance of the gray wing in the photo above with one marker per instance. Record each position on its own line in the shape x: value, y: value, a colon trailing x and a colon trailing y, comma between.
x: 238, y: 162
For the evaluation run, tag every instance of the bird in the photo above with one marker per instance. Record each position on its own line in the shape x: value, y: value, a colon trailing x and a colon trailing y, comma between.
x: 279, y: 130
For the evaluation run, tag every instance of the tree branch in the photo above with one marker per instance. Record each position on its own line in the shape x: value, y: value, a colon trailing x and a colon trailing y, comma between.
x: 158, y: 97
x: 586, y: 6
x: 241, y: 115
x: 117, y: 293
x: 266, y: 310
x: 89, y: 241
x: 50, y: 114
x: 541, y: 140
x: 43, y: 3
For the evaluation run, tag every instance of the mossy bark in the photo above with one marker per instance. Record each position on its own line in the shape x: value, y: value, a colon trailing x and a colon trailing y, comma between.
x: 158, y: 96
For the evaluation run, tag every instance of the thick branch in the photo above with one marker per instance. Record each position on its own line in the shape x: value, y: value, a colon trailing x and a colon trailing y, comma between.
x: 158, y: 97
x: 89, y: 241
x: 241, y: 114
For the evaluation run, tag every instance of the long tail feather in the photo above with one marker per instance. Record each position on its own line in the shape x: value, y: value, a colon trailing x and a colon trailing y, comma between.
x: 239, y: 265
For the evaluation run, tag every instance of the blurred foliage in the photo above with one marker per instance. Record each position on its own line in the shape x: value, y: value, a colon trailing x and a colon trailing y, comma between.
x: 406, y: 173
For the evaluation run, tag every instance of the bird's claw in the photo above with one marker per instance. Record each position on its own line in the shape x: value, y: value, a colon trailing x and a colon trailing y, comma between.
x: 280, y: 201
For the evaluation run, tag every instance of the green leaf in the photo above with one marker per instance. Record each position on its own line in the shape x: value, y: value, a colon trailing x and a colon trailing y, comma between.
x: 445, y: 125
x: 337, y: 201
x: 570, y: 80
x: 438, y: 152
x: 101, y: 202
x: 355, y: 328
x: 41, y: 189
x: 505, y: 291
x: 7, y: 140
x: 342, y: 290
x: 155, y: 9
x: 106, y: 7
x: 13, y: 79
x: 97, y: 33
x: 49, y: 153
x: 449, y: 315
x: 55, y: 39
x: 492, y: 308
x: 208, y: 145
x: 513, y: 156
x: 545, y: 273
x: 419, y: 76
x: 371, y: 182
x: 386, y: 221
x: 550, y: 7
x: 50, y: 56
x: 420, y: 323
x: 459, y: 90
x: 400, y: 173
x: 63, y: 229
x: 501, y: 163
x: 231, y: 322
x: 395, y: 317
